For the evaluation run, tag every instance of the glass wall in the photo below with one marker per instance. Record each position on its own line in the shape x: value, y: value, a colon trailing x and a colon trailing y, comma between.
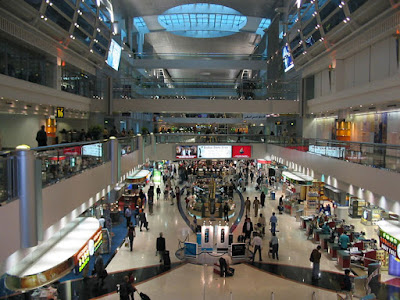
x: 25, y: 63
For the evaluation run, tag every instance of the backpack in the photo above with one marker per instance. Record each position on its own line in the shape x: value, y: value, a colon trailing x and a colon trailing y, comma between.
x: 312, y: 257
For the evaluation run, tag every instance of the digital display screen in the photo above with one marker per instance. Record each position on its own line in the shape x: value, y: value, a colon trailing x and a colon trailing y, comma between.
x: 93, y: 150
x: 214, y: 151
x: 241, y: 151
x: 238, y: 249
x: 114, y: 55
x: 186, y: 152
x: 287, y: 58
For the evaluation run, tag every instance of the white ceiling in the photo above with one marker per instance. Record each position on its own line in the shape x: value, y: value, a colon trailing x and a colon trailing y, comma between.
x: 165, y: 42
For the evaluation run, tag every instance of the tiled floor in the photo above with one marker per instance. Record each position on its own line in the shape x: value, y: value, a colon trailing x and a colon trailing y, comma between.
x: 188, y: 281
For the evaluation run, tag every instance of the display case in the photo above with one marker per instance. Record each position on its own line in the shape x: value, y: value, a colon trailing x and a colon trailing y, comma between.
x: 371, y: 215
x: 356, y: 207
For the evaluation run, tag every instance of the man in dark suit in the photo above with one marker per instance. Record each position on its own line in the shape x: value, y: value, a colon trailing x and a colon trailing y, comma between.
x: 247, y: 229
x: 160, y: 246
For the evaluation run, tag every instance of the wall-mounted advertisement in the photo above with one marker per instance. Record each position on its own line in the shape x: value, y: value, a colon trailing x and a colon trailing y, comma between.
x: 93, y: 150
x: 214, y: 151
x: 186, y: 151
x: 287, y: 58
x: 241, y: 151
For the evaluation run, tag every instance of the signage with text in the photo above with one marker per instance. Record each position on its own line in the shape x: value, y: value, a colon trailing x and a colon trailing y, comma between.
x: 241, y: 151
x: 93, y: 150
x: 214, y: 151
x: 389, y: 244
x: 60, y: 112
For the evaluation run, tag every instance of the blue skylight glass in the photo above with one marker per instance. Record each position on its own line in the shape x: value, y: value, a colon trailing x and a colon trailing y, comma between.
x: 140, y: 25
x: 264, y: 24
x: 202, y: 20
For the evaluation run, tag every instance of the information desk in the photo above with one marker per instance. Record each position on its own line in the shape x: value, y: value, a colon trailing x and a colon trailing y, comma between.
x: 332, y: 250
x: 343, y: 259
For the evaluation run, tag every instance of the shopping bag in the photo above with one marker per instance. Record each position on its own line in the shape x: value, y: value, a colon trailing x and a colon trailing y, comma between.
x: 126, y: 242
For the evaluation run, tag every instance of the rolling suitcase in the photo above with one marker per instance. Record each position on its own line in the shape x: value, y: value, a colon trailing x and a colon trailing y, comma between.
x: 166, y: 259
x: 143, y: 296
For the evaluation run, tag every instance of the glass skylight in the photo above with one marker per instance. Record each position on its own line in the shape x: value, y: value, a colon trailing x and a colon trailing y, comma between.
x: 202, y: 20
x: 264, y: 24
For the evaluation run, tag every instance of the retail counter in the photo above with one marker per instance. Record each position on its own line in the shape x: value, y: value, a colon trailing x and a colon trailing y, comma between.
x: 332, y: 250
x: 324, y: 238
x: 343, y: 259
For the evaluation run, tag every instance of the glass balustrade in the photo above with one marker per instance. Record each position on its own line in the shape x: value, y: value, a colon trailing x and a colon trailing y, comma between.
x: 65, y: 160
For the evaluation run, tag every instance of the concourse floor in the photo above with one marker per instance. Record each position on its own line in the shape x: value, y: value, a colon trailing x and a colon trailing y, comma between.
x: 188, y: 281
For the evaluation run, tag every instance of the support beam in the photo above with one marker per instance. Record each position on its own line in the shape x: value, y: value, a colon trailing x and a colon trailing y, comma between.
x: 198, y: 64
x: 207, y: 106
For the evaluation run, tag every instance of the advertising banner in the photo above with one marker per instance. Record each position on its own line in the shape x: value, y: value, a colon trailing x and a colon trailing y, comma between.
x: 214, y: 151
x: 241, y: 151
x: 186, y: 151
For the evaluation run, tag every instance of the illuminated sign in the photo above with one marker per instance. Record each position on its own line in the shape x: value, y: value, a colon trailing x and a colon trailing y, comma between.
x: 241, y: 151
x: 214, y: 151
x: 83, y: 256
x: 389, y: 243
x: 156, y: 176
x: 186, y: 152
x: 60, y: 112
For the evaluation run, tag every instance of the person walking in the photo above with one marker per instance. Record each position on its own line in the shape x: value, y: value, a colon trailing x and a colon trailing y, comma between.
x: 128, y: 214
x: 99, y: 269
x: 257, y: 243
x: 262, y: 198
x: 275, y: 246
x: 131, y: 235
x: 226, y: 212
x: 247, y: 229
x: 262, y: 223
x: 158, y: 190
x: 41, y: 137
x: 273, y: 221
x: 143, y: 220
x: 160, y: 246
x: 126, y: 289
x: 256, y: 204
x: 247, y: 204
x: 315, y: 258
x: 251, y: 177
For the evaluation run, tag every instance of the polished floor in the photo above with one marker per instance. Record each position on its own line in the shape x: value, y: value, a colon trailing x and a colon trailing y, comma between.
x: 293, y: 269
x: 288, y: 278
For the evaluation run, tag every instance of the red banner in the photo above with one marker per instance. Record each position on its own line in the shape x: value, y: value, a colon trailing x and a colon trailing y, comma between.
x: 241, y: 151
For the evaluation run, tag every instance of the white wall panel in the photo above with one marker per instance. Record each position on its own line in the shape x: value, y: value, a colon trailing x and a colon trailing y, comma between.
x: 325, y: 84
x: 380, y: 60
x: 362, y: 67
x: 349, y: 69
x: 65, y: 196
x: 9, y: 234
x: 384, y: 183
x: 317, y: 85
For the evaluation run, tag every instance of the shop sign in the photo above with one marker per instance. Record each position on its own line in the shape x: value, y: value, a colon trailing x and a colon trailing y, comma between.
x: 60, y: 112
x: 90, y: 247
x: 389, y: 244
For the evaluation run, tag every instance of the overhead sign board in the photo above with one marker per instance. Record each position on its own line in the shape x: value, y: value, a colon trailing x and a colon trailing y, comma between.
x: 214, y: 151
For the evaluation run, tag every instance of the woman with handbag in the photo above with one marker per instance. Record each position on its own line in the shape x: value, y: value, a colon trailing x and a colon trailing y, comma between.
x: 131, y: 234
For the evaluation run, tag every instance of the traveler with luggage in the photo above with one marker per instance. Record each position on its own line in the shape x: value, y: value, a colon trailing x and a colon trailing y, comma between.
x: 126, y: 289
x: 160, y: 246
x: 143, y: 220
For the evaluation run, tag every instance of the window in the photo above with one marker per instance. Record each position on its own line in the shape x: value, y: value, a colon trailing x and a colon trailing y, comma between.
x: 328, y: 9
x: 85, y: 25
x: 82, y: 36
x: 34, y: 3
x: 296, y: 52
x: 355, y: 4
x: 310, y: 27
x: 102, y: 40
x: 53, y: 15
x: 64, y: 7
x: 295, y: 42
x: 334, y: 20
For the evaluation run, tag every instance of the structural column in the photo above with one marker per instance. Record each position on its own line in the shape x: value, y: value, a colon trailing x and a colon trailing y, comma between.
x: 115, y: 157
x: 27, y: 193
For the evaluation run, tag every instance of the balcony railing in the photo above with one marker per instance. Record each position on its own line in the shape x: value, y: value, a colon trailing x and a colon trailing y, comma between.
x: 66, y: 160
